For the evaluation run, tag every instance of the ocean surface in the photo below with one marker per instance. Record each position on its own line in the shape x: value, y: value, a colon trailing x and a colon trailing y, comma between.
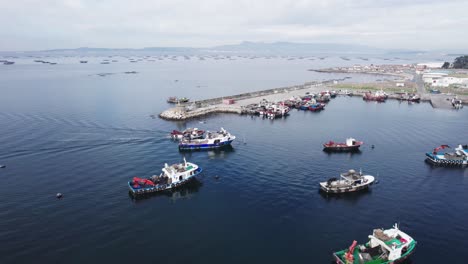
x: 65, y: 128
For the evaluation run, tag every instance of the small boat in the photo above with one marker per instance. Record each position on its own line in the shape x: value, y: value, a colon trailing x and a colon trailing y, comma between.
x: 171, y: 177
x: 210, y: 140
x: 83, y: 61
x: 414, y: 98
x: 189, y: 133
x: 350, y: 145
x: 172, y: 100
x: 379, y: 97
x: 2, y: 166
x: 316, y: 107
x: 184, y: 100
x: 457, y: 103
x: 350, y: 181
x: 384, y: 247
x: 8, y: 62
x: 457, y: 158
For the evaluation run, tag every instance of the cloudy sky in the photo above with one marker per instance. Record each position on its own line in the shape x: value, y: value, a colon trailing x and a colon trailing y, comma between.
x: 413, y: 24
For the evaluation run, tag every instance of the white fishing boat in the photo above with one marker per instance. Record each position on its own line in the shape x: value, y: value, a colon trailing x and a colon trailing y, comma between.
x: 350, y: 181
x: 210, y: 140
x: 384, y: 247
x: 172, y: 176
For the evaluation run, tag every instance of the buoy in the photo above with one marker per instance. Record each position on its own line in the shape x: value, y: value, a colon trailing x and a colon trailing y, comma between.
x: 216, y: 177
x: 59, y: 195
x: 372, y: 146
x: 2, y: 166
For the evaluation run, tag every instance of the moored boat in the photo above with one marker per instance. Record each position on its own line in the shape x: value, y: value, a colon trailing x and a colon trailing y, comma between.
x: 171, y: 177
x: 384, y: 247
x: 211, y: 140
x: 457, y: 158
x: 350, y: 181
x: 172, y: 100
x: 350, y: 145
x: 316, y: 107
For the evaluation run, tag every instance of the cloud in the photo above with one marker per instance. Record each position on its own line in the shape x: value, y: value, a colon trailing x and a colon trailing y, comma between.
x: 34, y: 24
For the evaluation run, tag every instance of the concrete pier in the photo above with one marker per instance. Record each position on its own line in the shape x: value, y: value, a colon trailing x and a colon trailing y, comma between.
x: 215, y: 105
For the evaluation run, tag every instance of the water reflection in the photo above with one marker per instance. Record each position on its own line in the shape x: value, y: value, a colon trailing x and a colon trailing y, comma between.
x: 351, y: 197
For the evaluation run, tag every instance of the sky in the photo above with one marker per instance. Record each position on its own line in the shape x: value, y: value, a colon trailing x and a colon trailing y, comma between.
x: 405, y: 24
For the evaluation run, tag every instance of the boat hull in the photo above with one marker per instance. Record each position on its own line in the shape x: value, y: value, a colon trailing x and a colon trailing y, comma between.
x: 163, y: 187
x: 341, y: 148
x: 369, y: 180
x: 433, y: 159
x: 205, y: 146
x: 406, y: 256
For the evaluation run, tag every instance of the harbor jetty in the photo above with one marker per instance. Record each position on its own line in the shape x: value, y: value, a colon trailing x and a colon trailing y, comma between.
x: 241, y: 103
x: 237, y: 103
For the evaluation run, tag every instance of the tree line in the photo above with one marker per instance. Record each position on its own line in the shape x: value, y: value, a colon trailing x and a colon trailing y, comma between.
x: 459, y: 63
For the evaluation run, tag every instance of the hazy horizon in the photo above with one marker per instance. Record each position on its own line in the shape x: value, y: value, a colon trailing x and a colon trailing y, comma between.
x: 34, y: 25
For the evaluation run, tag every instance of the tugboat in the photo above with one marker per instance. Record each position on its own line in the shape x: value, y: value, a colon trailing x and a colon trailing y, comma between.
x: 350, y: 181
x: 384, y: 247
x: 457, y: 158
x: 190, y: 133
x: 350, y: 145
x: 171, y: 177
x: 211, y: 140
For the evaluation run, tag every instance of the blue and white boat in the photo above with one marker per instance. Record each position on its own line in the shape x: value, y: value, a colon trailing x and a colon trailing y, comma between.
x: 457, y: 158
x: 171, y: 177
x: 211, y: 140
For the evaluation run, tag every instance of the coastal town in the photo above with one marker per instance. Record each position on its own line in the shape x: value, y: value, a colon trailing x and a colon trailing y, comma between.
x: 425, y: 82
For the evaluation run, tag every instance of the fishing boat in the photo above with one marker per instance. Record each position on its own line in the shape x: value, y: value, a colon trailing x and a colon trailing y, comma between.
x: 189, y: 133
x: 373, y: 97
x: 457, y: 103
x: 384, y: 247
x: 171, y: 177
x: 457, y: 158
x: 350, y: 145
x: 184, y: 100
x: 172, y: 100
x: 350, y: 181
x: 316, y: 107
x: 210, y: 140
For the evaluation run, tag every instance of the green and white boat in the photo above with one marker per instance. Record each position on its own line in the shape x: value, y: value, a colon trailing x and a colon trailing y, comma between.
x: 384, y: 247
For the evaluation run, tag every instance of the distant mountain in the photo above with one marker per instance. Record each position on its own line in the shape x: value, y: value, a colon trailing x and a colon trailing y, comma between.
x: 100, y: 50
x: 296, y: 48
x: 247, y: 47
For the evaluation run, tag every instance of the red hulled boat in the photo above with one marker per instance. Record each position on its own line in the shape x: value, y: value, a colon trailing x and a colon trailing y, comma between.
x: 350, y: 145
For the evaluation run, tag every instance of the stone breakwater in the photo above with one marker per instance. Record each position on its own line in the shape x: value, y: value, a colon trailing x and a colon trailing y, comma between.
x: 215, y: 105
x: 179, y: 113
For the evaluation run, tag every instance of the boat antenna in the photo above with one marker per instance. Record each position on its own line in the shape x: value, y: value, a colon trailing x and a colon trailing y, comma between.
x: 360, y: 171
x: 185, y: 162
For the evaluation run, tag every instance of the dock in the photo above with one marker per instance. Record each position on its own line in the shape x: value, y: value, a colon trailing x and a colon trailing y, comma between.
x: 215, y: 105
x: 242, y: 101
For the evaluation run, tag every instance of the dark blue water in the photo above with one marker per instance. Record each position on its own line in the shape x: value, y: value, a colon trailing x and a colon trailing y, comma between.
x: 64, y: 129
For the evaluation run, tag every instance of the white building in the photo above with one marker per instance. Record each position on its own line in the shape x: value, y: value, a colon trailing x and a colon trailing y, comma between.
x: 440, y: 79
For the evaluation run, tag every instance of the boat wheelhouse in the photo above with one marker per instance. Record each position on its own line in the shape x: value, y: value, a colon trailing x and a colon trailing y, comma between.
x: 189, y: 133
x: 171, y: 177
x: 211, y: 140
x: 457, y: 158
x: 384, y: 247
x: 350, y: 181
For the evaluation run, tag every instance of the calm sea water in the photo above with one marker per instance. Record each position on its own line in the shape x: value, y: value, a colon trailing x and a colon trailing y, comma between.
x: 66, y: 129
